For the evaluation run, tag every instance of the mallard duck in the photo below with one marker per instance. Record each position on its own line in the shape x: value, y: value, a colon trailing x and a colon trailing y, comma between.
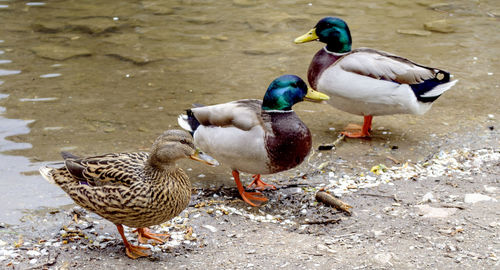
x: 255, y: 136
x: 369, y: 82
x: 138, y: 189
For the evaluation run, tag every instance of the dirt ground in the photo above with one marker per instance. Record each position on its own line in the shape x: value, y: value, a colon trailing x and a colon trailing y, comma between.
x: 446, y: 216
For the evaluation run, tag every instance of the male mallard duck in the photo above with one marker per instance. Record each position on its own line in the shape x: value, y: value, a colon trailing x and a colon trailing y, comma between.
x: 134, y: 189
x: 369, y: 82
x: 254, y: 136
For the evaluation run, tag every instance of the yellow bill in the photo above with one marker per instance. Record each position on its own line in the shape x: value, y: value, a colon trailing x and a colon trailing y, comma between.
x: 309, y: 36
x: 315, y: 96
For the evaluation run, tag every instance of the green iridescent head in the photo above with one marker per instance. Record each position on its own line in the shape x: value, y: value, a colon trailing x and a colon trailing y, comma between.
x: 287, y: 90
x: 332, y: 31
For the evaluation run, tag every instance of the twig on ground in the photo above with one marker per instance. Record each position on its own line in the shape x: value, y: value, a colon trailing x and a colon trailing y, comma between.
x: 479, y: 225
x: 326, y: 221
x: 332, y: 201
x: 332, y: 145
x: 393, y: 196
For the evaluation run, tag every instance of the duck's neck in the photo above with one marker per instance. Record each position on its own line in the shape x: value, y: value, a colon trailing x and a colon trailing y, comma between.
x: 339, y: 47
x: 154, y: 164
x: 276, y: 111
x: 335, y: 53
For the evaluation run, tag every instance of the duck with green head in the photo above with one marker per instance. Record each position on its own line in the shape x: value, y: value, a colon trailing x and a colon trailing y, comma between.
x: 255, y: 136
x: 369, y: 82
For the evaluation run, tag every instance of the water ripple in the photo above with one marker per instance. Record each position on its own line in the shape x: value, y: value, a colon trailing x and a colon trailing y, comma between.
x: 5, y: 61
x: 34, y: 4
x: 6, y: 72
x: 50, y: 75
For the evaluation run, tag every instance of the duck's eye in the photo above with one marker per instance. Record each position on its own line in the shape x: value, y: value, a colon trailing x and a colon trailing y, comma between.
x: 184, y: 142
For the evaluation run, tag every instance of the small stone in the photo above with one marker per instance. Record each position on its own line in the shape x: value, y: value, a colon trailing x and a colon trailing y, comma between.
x: 414, y: 32
x: 210, y: 228
x: 476, y: 197
x: 33, y: 261
x: 377, y: 233
x: 383, y: 258
x: 489, y: 189
x: 33, y: 253
x: 56, y: 52
x: 428, y: 197
x: 433, y: 212
x: 441, y: 26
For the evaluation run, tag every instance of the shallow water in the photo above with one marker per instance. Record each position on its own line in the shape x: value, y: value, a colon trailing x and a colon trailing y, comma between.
x: 95, y: 77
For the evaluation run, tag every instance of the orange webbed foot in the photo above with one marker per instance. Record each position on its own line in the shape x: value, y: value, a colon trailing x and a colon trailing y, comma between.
x: 253, y: 198
x: 144, y: 233
x: 132, y: 251
x: 259, y: 184
x: 356, y: 131
x: 135, y: 252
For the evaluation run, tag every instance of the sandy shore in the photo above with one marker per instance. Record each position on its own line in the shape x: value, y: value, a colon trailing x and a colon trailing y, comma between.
x: 440, y: 213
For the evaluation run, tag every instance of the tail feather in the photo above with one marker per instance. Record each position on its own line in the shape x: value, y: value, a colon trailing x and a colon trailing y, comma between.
x: 68, y: 155
x: 429, y: 90
x: 46, y: 173
x: 188, y: 121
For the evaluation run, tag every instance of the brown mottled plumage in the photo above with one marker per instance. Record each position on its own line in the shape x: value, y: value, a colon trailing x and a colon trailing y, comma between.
x: 134, y: 189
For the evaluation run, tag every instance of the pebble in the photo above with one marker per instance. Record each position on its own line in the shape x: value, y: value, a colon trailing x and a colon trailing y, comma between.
x: 33, y: 253
x: 489, y: 189
x: 441, y: 26
x: 414, y: 32
x: 428, y: 197
x: 210, y: 228
x: 383, y: 258
x: 476, y: 197
x: 432, y: 212
x: 55, y: 52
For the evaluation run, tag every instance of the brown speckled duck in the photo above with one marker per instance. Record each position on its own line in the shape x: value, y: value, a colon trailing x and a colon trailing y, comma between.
x: 255, y: 136
x: 137, y: 189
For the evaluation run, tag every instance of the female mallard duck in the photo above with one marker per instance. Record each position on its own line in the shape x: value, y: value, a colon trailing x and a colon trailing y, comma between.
x: 369, y: 82
x: 254, y: 136
x: 134, y: 189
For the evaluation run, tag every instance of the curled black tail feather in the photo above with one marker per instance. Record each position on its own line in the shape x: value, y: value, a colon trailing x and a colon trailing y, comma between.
x: 421, y: 88
x: 192, y: 121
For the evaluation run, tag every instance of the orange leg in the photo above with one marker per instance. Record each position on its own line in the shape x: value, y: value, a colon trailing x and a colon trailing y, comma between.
x: 259, y: 184
x: 252, y: 198
x: 144, y: 233
x: 132, y: 251
x: 359, y: 132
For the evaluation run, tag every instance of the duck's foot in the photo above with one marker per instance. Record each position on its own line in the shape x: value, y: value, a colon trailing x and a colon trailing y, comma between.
x: 144, y: 233
x: 252, y: 198
x: 132, y: 251
x: 255, y: 199
x: 135, y: 252
x: 259, y: 184
x: 357, y: 131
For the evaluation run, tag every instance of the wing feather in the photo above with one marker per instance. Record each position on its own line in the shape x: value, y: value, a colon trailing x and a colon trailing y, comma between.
x: 121, y: 169
x: 243, y: 114
x: 384, y: 66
